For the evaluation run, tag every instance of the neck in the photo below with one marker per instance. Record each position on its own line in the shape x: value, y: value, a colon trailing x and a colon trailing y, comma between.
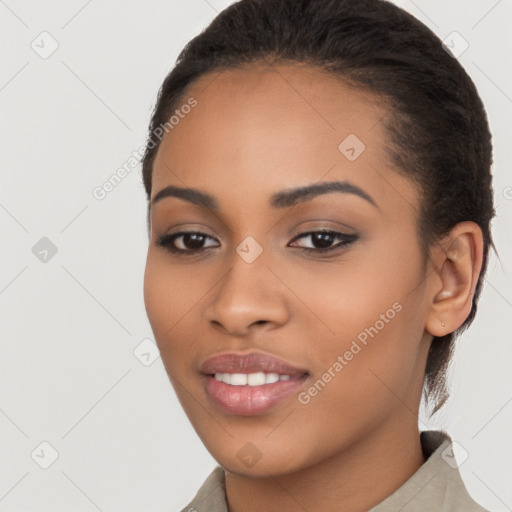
x: 354, y: 480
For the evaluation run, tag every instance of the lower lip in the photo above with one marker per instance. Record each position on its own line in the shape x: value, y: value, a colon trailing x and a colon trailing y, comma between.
x: 250, y: 400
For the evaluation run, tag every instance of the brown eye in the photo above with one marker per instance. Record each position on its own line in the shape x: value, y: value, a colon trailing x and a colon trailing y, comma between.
x: 321, y: 241
x: 194, y: 242
x: 185, y: 242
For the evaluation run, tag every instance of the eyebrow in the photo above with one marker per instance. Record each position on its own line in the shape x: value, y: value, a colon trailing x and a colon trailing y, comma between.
x: 283, y: 199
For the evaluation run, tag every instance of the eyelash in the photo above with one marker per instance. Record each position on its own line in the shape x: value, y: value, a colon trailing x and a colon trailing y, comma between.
x: 167, y: 241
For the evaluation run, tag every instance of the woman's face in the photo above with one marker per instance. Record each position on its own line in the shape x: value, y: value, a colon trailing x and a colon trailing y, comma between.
x: 253, y: 280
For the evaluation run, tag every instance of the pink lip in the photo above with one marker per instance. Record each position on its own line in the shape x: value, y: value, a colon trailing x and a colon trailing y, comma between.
x: 249, y: 400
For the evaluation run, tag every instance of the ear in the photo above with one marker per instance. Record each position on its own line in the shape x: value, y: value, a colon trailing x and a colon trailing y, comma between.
x: 457, y: 261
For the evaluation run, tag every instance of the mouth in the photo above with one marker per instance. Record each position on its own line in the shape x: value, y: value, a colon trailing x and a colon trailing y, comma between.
x: 250, y: 384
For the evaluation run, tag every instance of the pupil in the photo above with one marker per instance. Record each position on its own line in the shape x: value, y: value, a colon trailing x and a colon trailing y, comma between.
x: 322, y: 239
x: 193, y: 240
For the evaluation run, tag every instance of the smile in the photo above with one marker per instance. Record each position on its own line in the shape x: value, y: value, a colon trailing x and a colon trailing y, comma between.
x: 246, y: 384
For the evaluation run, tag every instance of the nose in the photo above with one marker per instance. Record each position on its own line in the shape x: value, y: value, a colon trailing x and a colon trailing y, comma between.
x: 248, y: 297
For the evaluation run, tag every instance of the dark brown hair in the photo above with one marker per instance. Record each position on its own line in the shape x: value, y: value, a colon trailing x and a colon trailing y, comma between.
x: 437, y: 125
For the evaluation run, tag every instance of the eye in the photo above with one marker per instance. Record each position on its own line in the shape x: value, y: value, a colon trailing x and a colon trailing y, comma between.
x: 193, y: 242
x: 321, y: 241
x: 185, y: 242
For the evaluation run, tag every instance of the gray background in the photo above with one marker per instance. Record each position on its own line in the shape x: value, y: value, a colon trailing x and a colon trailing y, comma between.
x: 72, y: 374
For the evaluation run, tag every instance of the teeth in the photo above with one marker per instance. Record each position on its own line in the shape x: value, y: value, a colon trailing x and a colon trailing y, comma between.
x: 271, y: 377
x: 255, y: 379
x: 238, y: 379
x: 251, y: 379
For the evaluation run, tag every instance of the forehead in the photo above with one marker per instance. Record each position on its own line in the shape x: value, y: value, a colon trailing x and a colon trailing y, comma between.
x: 269, y: 127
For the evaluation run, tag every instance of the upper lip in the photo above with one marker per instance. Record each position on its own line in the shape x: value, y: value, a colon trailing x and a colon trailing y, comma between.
x: 248, y: 363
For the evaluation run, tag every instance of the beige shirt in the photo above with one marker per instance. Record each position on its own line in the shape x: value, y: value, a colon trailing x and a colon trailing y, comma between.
x: 436, y: 485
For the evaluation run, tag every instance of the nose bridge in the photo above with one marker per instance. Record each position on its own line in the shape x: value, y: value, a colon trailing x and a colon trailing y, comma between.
x: 249, y: 292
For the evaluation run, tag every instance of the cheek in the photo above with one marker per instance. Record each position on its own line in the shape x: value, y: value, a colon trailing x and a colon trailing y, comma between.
x: 156, y: 295
x: 168, y: 294
x: 368, y: 325
x: 340, y: 301
x: 165, y: 300
x: 171, y: 298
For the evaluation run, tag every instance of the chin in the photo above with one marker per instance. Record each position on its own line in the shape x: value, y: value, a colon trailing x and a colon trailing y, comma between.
x: 261, y: 469
x: 258, y: 459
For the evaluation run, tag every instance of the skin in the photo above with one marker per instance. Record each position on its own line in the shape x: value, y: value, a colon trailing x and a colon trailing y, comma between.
x: 255, y: 132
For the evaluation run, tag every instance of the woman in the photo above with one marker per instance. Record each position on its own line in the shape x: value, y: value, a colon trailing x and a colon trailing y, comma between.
x: 319, y: 206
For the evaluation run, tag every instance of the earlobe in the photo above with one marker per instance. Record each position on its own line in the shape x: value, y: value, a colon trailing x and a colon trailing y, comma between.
x: 457, y: 261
